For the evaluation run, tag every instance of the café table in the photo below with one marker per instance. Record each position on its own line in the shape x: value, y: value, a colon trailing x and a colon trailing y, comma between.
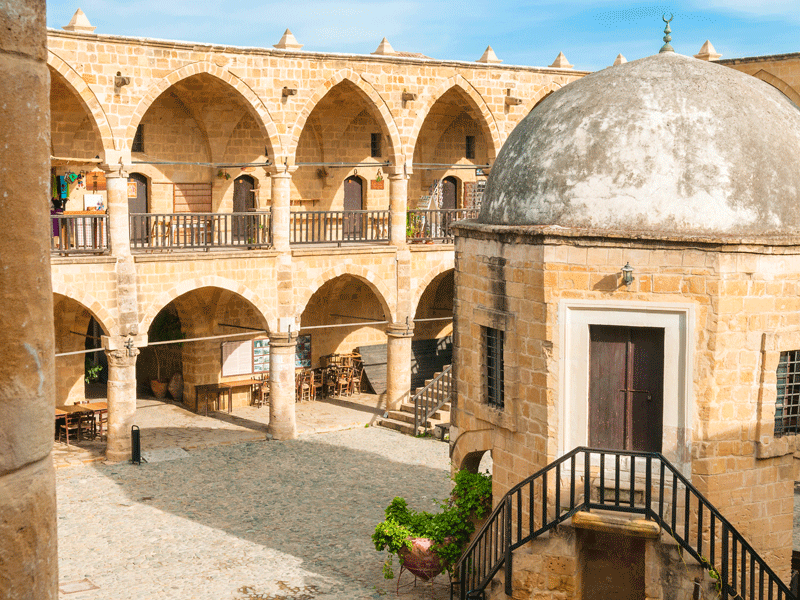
x: 100, y: 410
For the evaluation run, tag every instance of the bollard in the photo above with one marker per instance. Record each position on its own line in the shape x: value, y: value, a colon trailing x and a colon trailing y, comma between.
x: 136, y: 446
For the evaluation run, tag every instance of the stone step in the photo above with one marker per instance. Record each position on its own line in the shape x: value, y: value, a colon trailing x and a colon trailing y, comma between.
x: 442, y: 413
x: 397, y: 426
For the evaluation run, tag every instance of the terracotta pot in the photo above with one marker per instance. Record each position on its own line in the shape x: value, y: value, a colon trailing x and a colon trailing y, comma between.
x: 421, y: 560
x: 159, y: 388
x: 175, y: 387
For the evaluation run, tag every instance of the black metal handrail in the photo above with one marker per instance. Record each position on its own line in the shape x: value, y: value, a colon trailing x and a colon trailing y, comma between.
x: 200, y: 231
x: 339, y: 226
x: 79, y: 234
x: 435, y: 225
x: 432, y: 397
x: 618, y: 481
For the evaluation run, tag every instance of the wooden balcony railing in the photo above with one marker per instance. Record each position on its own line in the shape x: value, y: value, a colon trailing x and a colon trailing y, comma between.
x: 339, y: 226
x: 434, y: 225
x: 79, y: 234
x: 200, y: 231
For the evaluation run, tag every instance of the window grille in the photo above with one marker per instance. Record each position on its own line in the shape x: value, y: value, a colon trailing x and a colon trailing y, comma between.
x: 375, y: 144
x: 470, y: 149
x: 787, y: 403
x: 138, y: 139
x: 493, y: 367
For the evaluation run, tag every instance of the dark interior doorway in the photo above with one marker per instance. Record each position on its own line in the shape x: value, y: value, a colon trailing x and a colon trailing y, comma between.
x: 626, y: 387
x: 449, y: 193
x: 137, y: 204
x: 613, y: 566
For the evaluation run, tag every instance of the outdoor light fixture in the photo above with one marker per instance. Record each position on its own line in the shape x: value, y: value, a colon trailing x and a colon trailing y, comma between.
x: 130, y: 347
x: 120, y: 81
x: 627, y: 274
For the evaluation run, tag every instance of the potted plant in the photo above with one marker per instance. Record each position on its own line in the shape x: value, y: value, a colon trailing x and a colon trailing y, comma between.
x: 166, y: 327
x: 428, y: 543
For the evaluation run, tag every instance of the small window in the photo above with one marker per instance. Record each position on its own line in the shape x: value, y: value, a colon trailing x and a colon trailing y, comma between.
x: 493, y: 367
x: 376, y: 145
x: 787, y: 403
x: 138, y: 139
x: 470, y: 149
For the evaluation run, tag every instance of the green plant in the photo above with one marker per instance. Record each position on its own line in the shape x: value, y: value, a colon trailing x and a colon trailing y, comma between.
x: 449, y: 529
x: 92, y: 373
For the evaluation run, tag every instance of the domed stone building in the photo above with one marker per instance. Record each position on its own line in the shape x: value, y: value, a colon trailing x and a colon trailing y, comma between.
x: 632, y: 284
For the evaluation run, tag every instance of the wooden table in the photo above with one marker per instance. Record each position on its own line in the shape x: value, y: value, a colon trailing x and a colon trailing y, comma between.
x: 240, y: 383
x: 100, y: 409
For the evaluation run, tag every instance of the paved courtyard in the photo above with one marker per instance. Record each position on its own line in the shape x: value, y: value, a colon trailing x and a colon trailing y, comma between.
x: 255, y: 520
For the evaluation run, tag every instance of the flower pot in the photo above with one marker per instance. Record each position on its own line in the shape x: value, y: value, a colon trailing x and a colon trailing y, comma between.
x: 159, y: 388
x: 421, y: 560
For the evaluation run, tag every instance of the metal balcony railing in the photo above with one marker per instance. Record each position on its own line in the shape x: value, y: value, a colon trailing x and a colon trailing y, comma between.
x: 431, y: 398
x: 339, y: 226
x: 200, y: 231
x: 434, y: 225
x: 630, y: 482
x: 79, y: 234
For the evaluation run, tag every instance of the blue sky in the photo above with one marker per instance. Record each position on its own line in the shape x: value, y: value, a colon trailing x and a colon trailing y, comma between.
x: 522, y: 32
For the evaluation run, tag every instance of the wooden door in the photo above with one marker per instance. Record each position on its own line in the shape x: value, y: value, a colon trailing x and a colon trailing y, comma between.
x: 243, y: 201
x: 353, y: 200
x: 449, y: 192
x: 137, y: 204
x: 626, y: 387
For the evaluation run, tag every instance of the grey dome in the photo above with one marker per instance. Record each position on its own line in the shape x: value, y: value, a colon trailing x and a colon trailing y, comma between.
x: 666, y: 144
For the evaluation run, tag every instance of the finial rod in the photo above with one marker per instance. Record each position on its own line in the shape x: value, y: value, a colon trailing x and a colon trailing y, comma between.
x: 667, y: 37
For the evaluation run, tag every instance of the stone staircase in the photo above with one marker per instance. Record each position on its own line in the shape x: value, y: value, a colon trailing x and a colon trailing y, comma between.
x: 403, y: 420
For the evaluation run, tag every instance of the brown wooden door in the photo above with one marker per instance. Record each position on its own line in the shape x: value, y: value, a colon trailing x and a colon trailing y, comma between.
x: 626, y: 387
x: 353, y: 200
x: 449, y: 192
x: 243, y: 201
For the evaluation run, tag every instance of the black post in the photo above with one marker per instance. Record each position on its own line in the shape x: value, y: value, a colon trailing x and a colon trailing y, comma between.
x: 136, y: 446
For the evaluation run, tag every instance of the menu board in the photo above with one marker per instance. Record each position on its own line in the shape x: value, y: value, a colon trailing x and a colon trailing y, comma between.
x: 237, y: 358
x: 260, y: 356
x: 302, y: 355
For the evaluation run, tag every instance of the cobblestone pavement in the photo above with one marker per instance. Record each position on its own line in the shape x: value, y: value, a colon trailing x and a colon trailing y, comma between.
x: 253, y: 521
x: 167, y: 425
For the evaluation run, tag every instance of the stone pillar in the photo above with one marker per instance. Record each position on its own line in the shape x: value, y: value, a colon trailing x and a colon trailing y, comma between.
x: 281, y: 209
x: 121, y: 402
x: 28, y: 536
x: 398, y: 207
x: 398, y: 364
x: 282, y: 423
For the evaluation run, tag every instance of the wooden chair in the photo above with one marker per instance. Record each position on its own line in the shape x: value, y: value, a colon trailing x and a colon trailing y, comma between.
x: 71, y: 423
x: 355, y: 380
x: 329, y: 381
x: 303, y: 382
x: 261, y: 394
x: 317, y: 383
x: 343, y: 381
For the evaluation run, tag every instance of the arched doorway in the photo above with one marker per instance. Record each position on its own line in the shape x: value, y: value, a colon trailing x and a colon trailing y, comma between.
x: 243, y: 201
x: 353, y: 200
x: 449, y: 193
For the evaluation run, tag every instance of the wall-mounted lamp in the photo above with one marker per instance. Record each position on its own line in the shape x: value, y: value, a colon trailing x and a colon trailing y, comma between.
x: 129, y: 347
x: 120, y: 81
x: 408, y: 96
x: 287, y: 91
x: 627, y: 274
x: 511, y: 100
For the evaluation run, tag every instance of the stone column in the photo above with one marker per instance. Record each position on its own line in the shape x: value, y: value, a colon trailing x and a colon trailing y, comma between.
x: 398, y: 364
x: 121, y: 402
x: 282, y: 423
x: 398, y: 207
x: 281, y: 209
x: 28, y: 536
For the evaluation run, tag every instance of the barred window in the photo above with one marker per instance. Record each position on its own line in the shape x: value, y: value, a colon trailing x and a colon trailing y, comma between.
x: 493, y: 367
x: 470, y: 147
x: 138, y: 139
x: 375, y: 145
x: 787, y: 404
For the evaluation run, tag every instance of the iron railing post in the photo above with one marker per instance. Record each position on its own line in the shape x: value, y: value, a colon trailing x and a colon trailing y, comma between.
x: 507, y: 541
x: 587, y: 485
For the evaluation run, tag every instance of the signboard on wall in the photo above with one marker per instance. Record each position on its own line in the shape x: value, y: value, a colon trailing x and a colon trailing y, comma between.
x: 252, y: 356
x: 260, y: 356
x: 237, y: 358
x: 302, y: 355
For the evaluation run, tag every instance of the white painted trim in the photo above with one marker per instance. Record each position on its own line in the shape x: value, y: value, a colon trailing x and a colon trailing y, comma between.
x: 678, y: 322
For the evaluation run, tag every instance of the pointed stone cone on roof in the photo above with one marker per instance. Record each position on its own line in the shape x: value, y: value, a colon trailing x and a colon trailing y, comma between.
x: 288, y: 42
x: 619, y: 60
x: 561, y: 62
x: 79, y: 23
x: 708, y: 52
x: 384, y: 48
x: 489, y: 56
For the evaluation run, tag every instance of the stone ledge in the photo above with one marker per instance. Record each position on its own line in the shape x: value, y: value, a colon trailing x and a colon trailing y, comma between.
x: 774, y: 447
x: 640, y: 528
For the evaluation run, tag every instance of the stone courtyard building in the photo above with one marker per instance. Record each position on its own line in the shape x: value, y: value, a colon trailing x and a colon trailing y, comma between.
x: 631, y: 284
x: 273, y: 190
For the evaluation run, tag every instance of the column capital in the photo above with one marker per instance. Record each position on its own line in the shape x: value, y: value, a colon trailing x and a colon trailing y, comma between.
x: 400, y: 329
x: 282, y: 338
x: 113, y: 171
x: 122, y: 358
x: 281, y: 171
x: 398, y: 176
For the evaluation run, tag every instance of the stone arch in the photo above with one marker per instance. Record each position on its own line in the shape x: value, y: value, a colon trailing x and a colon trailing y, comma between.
x: 368, y: 277
x: 190, y: 285
x: 370, y: 93
x: 86, y: 97
x: 469, y: 447
x: 251, y: 100
x: 426, y: 280
x: 538, y: 97
x: 457, y: 81
x: 98, y: 311
x: 780, y: 85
